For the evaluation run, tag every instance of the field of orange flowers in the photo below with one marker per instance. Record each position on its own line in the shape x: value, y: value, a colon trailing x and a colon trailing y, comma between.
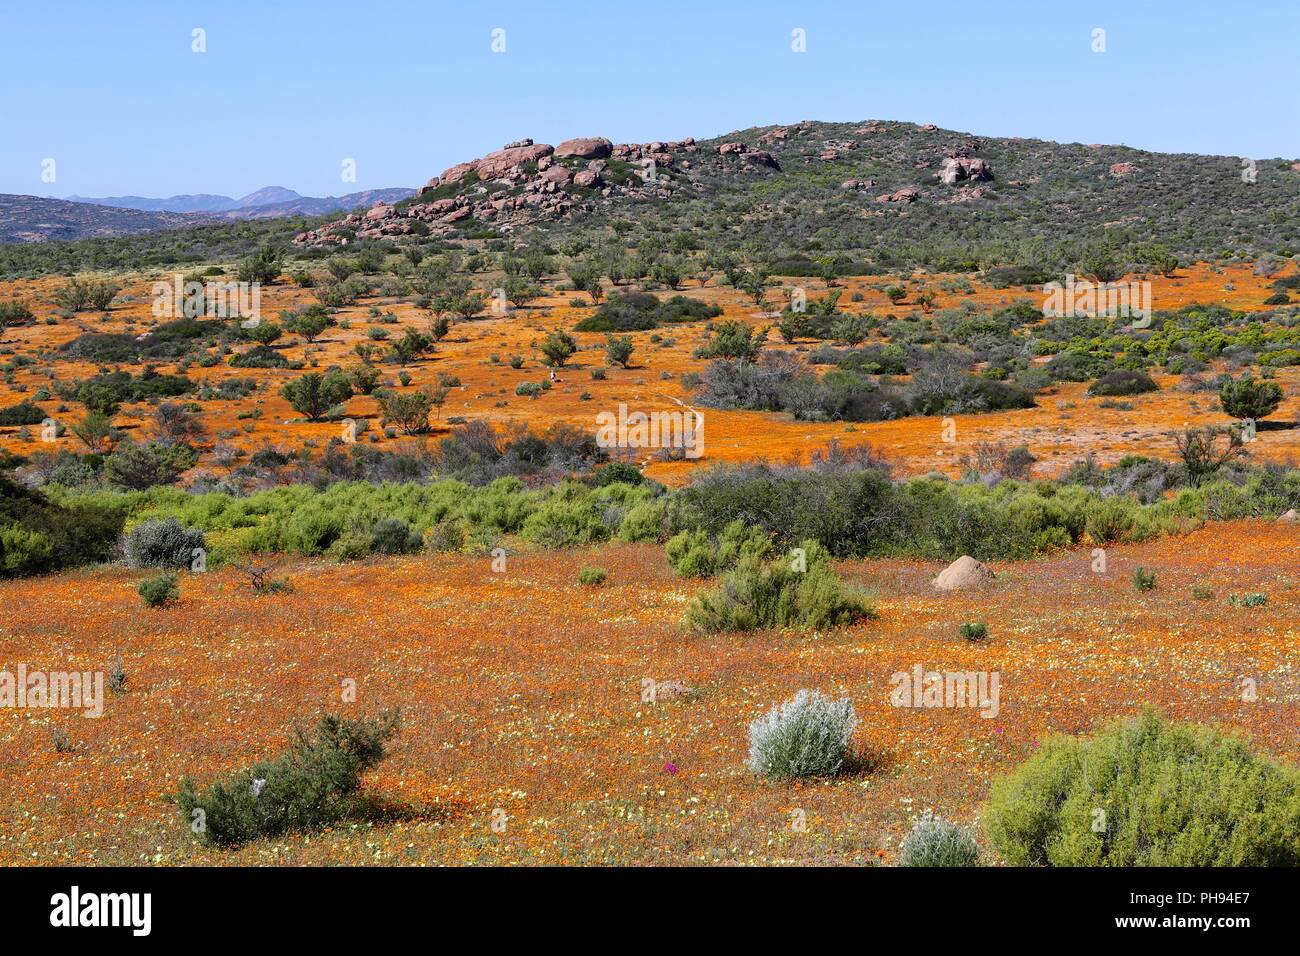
x: 1065, y: 425
x: 522, y: 699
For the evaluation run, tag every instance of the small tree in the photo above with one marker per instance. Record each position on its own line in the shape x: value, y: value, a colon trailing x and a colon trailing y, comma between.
x: 466, y: 305
x: 439, y: 328
x: 264, y: 333
x: 411, y: 346
x: 558, y: 347
x: 733, y: 340
x: 618, y: 349
x: 1101, y: 263
x: 173, y: 422
x: 314, y: 394
x: 309, y: 323
x: 96, y: 431
x: 1205, y: 450
x: 852, y: 330
x: 438, y: 397
x: 262, y: 266
x: 585, y: 277
x: 1247, y: 397
x: 520, y: 291
x: 409, y: 410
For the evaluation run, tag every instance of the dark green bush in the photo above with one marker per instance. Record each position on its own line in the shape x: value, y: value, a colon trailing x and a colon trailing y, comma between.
x: 24, y: 413
x: 160, y: 590
x: 1123, y: 381
x: 312, y: 785
x: 1248, y: 397
x: 38, y: 536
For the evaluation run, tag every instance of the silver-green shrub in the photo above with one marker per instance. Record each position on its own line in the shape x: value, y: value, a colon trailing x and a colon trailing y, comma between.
x: 934, y: 841
x: 807, y: 736
x: 161, y: 543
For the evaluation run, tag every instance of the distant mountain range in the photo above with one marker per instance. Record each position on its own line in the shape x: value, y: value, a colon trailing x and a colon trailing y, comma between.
x: 41, y: 219
x: 265, y: 203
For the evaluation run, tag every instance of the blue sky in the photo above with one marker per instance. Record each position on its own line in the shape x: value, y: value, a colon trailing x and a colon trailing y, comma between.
x: 286, y: 91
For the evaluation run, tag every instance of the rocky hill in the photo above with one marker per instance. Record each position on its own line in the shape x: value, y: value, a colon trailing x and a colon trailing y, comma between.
x: 877, y: 187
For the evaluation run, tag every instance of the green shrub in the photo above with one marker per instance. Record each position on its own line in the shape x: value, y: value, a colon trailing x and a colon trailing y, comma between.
x: 696, y: 554
x: 775, y: 594
x: 313, y: 784
x: 975, y: 630
x: 261, y: 356
x: 314, y: 394
x: 1144, y: 792
x: 1144, y: 579
x: 809, y: 735
x: 140, y: 466
x: 1255, y: 599
x: 592, y: 576
x: 934, y: 841
x: 160, y: 590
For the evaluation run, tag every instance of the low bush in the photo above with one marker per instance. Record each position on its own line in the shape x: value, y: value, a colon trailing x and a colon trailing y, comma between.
x: 1123, y: 381
x: 697, y: 554
x: 1145, y: 792
x: 24, y: 413
x: 809, y: 735
x: 314, y: 784
x: 934, y: 841
x: 592, y: 576
x: 159, y: 590
x: 798, y: 590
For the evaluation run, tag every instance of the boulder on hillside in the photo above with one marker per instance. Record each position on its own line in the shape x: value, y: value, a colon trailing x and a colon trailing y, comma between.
x: 494, y: 164
x: 907, y: 194
x: 1290, y: 516
x: 592, y: 147
x: 962, y: 573
x: 1121, y: 170
x: 960, y: 168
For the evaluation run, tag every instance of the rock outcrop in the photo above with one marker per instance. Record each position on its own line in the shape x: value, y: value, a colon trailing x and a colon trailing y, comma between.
x: 541, y: 183
x: 958, y: 169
